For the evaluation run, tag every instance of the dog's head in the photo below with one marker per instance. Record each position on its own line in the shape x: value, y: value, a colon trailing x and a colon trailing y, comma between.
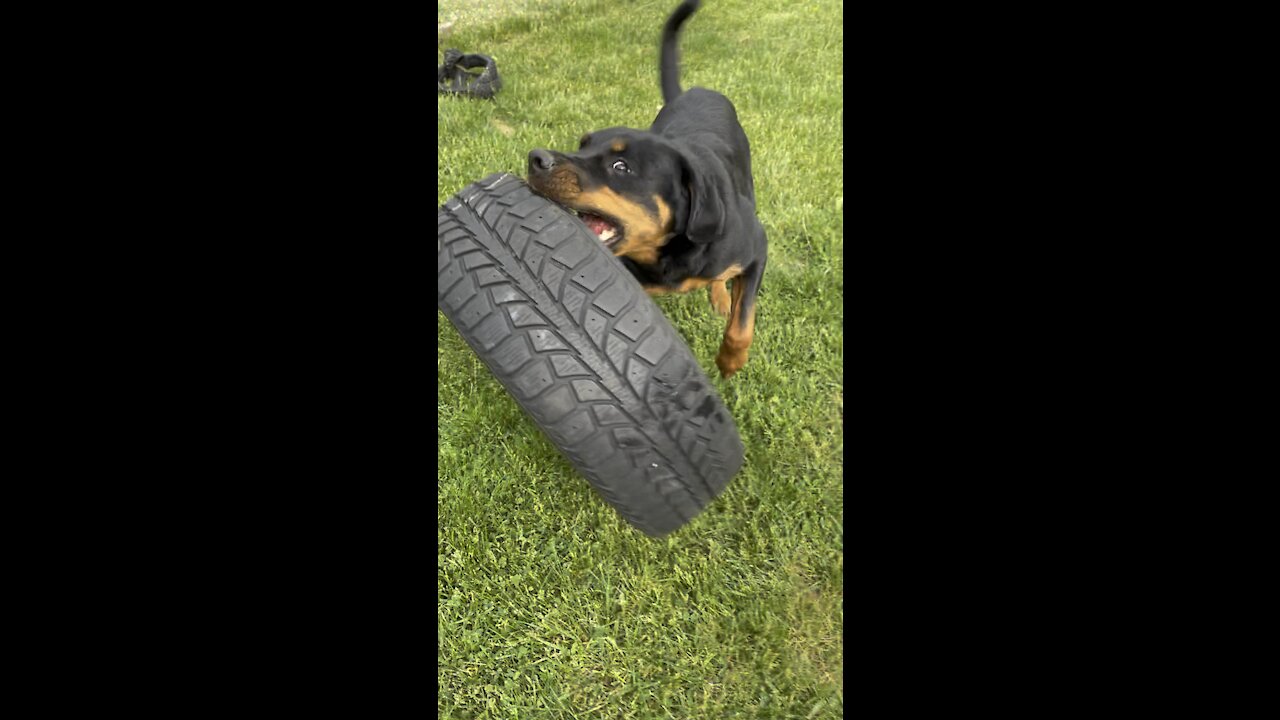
x: 634, y: 190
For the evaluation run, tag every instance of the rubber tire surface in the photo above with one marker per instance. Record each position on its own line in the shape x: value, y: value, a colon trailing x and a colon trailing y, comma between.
x: 580, y: 346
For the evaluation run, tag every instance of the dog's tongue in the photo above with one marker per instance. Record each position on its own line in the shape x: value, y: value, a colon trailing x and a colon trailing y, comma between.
x: 597, y: 224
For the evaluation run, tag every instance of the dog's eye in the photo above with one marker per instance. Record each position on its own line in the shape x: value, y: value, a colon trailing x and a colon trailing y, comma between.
x: 621, y: 166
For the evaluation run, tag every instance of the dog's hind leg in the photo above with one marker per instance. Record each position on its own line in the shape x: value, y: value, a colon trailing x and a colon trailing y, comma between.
x: 741, y: 329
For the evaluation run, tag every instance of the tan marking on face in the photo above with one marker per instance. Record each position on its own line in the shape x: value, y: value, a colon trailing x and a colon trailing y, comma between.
x: 561, y: 184
x: 618, y: 146
x: 738, y: 334
x: 642, y: 233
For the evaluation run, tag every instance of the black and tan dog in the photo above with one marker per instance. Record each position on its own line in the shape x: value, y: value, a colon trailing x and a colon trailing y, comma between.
x: 676, y: 202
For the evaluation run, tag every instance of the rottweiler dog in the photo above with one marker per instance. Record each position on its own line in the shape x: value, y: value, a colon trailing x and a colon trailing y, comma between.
x: 675, y: 203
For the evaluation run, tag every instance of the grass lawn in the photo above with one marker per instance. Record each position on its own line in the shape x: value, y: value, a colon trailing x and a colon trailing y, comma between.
x: 549, y: 604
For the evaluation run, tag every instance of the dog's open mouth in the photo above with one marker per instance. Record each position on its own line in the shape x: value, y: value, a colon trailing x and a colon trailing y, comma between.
x: 605, y: 229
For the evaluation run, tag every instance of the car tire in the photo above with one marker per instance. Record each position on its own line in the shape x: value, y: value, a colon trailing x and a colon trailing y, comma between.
x: 574, y: 338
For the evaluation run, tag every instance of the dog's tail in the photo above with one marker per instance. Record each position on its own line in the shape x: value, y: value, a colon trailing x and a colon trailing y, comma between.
x: 669, y: 66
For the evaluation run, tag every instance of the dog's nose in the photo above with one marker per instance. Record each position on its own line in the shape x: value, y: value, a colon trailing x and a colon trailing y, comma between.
x: 541, y: 161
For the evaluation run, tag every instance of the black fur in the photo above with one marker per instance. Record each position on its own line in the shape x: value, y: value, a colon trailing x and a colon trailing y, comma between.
x: 669, y: 65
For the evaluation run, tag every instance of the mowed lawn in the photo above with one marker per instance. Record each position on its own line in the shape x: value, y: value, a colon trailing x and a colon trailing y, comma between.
x: 550, y: 605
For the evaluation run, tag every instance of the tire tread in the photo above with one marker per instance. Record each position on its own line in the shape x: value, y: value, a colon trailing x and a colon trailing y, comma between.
x: 585, y: 352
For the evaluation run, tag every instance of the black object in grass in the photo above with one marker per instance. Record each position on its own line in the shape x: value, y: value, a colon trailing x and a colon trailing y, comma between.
x: 453, y: 77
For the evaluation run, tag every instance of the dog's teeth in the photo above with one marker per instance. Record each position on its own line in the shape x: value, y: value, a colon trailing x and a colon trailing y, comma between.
x: 608, y: 234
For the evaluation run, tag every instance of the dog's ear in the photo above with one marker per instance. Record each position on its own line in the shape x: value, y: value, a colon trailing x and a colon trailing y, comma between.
x: 708, y: 189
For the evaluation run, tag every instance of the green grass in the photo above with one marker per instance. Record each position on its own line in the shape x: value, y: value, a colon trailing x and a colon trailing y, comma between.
x: 549, y: 604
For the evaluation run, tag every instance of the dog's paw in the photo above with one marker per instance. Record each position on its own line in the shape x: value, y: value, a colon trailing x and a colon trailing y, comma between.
x: 730, y: 361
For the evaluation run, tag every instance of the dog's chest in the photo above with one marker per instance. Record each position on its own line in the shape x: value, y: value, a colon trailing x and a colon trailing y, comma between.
x: 678, y: 260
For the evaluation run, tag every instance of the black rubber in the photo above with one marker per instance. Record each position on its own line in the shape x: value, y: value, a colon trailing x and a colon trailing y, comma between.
x: 578, y: 343
x: 452, y: 77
